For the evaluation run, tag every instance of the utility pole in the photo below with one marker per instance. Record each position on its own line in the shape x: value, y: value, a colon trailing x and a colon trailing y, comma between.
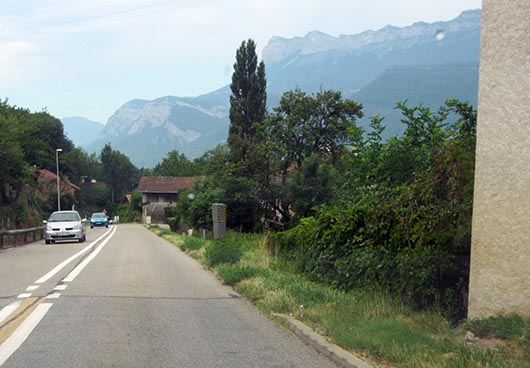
x: 58, y: 184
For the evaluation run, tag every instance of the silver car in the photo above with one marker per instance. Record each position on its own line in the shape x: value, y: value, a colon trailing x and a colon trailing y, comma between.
x: 64, y: 225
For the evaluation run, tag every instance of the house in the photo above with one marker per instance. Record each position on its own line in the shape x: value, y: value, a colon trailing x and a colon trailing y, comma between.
x: 159, y: 192
x: 47, y: 177
x: 46, y: 190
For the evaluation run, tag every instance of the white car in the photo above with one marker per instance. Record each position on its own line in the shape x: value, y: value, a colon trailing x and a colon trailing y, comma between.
x: 64, y: 225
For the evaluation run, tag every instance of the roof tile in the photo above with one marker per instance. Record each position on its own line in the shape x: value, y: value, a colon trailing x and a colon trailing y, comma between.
x: 166, y: 184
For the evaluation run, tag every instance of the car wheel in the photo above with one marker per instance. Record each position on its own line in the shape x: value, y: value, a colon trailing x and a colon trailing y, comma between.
x: 47, y: 241
x: 106, y: 225
x: 91, y: 227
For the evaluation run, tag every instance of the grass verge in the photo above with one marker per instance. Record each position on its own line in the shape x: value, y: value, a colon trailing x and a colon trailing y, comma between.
x: 368, y: 322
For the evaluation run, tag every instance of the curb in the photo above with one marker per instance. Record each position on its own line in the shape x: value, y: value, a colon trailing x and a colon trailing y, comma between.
x: 332, y: 351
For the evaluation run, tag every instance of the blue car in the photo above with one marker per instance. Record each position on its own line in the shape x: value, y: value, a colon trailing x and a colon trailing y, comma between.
x: 99, y: 219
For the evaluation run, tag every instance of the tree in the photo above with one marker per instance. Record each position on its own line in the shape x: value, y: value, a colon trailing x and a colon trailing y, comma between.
x: 175, y: 164
x: 310, y: 186
x: 247, y: 110
x: 306, y: 124
x: 249, y: 96
x: 118, y: 172
x: 401, y: 221
x: 317, y: 128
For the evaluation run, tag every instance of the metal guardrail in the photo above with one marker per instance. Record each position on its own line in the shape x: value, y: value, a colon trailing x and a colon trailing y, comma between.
x: 12, y: 238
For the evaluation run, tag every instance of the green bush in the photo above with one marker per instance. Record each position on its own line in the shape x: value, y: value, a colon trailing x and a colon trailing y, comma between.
x: 171, y: 211
x: 172, y: 222
x: 222, y: 251
x: 402, y: 220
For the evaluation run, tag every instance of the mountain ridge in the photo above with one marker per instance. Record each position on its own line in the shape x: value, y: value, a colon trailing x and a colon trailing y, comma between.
x: 365, y: 67
x: 308, y: 44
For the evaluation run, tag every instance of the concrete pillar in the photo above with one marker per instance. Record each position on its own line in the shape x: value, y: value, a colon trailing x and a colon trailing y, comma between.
x: 500, y: 252
x: 219, y: 220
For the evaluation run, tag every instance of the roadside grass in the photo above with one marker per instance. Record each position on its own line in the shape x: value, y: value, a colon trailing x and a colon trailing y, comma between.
x: 369, y: 322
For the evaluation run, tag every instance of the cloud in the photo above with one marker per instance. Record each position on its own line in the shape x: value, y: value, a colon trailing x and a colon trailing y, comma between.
x: 100, y: 53
x: 11, y: 54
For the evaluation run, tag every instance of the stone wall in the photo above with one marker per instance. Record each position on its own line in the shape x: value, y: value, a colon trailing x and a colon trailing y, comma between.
x: 500, y: 253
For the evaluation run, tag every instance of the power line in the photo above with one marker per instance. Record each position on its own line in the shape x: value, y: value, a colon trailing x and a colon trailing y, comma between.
x: 115, y: 13
x: 110, y: 16
x: 44, y: 5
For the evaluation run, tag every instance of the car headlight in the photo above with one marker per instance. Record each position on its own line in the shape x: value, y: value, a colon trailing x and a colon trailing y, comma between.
x: 49, y: 228
x: 77, y: 227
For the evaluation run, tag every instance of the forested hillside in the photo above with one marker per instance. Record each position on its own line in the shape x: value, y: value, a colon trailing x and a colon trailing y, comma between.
x: 354, y: 209
x: 28, y: 160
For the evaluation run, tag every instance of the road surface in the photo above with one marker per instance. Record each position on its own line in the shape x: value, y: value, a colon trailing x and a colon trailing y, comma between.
x: 127, y: 298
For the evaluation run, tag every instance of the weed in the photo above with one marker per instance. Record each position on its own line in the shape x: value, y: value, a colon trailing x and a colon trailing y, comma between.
x: 222, y: 251
x: 192, y: 243
x: 232, y: 274
x: 370, y: 321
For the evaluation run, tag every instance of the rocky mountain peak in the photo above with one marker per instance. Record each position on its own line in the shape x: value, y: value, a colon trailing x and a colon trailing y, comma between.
x: 282, y: 49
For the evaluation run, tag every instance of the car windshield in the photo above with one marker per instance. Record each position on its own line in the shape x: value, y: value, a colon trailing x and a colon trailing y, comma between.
x: 98, y: 215
x: 64, y: 217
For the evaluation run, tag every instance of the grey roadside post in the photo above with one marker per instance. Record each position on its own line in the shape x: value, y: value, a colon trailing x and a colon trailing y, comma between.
x: 219, y: 220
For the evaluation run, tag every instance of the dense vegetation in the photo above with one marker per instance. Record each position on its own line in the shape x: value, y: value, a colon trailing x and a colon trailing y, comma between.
x: 368, y: 321
x: 400, y: 219
x: 29, y: 141
x: 353, y: 210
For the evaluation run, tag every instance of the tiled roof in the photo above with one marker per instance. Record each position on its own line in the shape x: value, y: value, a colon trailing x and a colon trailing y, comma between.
x: 166, y: 184
x: 48, y: 175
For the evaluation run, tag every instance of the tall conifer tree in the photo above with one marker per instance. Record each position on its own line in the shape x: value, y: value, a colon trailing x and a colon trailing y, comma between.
x: 248, y: 98
x: 246, y: 161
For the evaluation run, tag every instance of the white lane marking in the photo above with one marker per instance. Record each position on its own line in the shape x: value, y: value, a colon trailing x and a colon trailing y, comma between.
x: 8, y: 309
x: 60, y: 287
x: 60, y: 266
x: 24, y: 295
x: 53, y: 296
x: 32, y: 288
x: 23, y: 331
x: 76, y: 271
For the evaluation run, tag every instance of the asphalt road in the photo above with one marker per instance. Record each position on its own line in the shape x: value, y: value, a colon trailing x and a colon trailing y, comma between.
x: 132, y: 301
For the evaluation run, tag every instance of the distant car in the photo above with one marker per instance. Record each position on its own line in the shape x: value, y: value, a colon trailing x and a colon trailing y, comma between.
x: 64, y: 225
x: 99, y: 219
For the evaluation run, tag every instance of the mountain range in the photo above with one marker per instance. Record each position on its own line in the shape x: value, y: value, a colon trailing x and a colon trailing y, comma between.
x: 80, y: 130
x: 421, y: 63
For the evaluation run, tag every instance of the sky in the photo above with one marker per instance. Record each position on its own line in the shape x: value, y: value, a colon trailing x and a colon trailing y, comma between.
x: 87, y: 58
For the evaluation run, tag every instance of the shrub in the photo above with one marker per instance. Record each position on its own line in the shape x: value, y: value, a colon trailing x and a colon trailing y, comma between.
x: 222, y: 251
x: 172, y: 222
x: 171, y: 211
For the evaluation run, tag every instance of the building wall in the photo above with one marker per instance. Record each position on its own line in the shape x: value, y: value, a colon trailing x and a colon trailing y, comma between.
x: 153, y: 205
x: 500, y: 253
x: 155, y: 211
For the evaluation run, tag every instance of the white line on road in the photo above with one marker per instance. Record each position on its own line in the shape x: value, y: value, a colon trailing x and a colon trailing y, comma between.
x: 76, y: 271
x: 60, y: 287
x: 22, y: 332
x: 24, y: 295
x: 61, y: 265
x: 53, y: 296
x: 32, y: 288
x: 6, y: 312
